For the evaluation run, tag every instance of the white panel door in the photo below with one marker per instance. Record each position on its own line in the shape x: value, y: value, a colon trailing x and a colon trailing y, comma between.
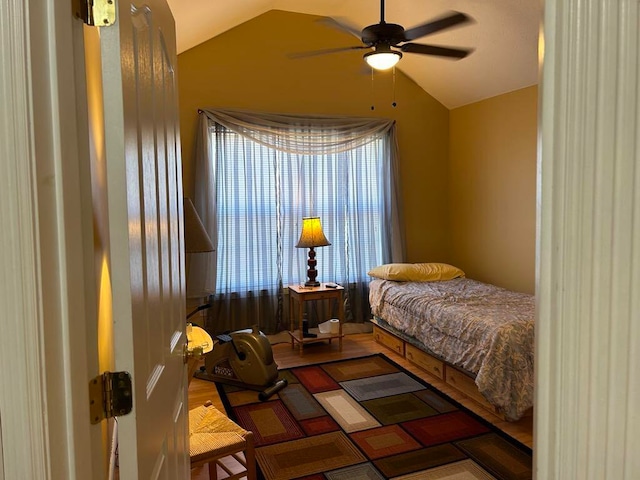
x: 144, y: 189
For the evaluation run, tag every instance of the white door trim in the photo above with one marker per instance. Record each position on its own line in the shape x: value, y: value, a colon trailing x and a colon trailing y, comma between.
x: 43, y: 347
x: 21, y: 396
x: 588, y: 270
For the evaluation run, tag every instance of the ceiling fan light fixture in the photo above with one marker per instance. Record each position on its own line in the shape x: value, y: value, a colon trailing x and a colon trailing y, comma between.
x: 382, y: 60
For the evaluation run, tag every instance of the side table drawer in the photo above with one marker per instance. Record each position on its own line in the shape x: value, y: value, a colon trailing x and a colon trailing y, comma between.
x: 388, y: 340
x: 425, y: 361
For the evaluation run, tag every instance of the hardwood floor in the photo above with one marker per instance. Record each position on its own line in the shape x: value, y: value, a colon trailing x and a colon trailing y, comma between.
x: 357, y: 345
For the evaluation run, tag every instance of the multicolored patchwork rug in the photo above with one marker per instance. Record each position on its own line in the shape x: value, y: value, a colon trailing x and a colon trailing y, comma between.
x: 368, y: 418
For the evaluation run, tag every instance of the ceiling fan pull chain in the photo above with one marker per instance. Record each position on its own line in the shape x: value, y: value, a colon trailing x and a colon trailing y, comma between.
x: 393, y: 103
x: 373, y: 93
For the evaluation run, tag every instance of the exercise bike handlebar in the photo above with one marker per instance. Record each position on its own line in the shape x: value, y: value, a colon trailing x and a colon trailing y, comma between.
x: 198, y: 309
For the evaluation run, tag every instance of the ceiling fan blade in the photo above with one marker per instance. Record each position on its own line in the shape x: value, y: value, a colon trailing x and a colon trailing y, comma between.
x: 341, y: 24
x: 325, y: 51
x: 433, y: 50
x: 448, y: 21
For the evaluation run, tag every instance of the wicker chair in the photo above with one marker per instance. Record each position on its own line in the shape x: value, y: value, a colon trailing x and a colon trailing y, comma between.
x: 213, y: 436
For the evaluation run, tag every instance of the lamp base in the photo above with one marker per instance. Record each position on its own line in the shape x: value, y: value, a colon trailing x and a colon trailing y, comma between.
x: 312, y: 273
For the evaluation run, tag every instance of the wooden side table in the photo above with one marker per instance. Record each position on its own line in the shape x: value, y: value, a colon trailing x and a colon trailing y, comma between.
x: 302, y: 294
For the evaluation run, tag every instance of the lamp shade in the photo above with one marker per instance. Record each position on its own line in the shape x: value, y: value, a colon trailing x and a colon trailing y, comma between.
x: 312, y: 235
x: 196, y: 238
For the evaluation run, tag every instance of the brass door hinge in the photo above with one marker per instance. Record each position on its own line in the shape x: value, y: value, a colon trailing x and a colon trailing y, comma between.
x: 96, y: 13
x: 110, y: 395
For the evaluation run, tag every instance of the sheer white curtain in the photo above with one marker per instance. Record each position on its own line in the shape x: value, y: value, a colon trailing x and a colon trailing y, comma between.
x: 257, y: 176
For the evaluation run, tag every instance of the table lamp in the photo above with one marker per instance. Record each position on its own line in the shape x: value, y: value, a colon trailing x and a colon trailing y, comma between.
x: 311, y: 237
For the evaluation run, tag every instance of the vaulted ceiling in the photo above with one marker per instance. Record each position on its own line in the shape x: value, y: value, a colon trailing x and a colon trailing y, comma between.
x: 503, y: 36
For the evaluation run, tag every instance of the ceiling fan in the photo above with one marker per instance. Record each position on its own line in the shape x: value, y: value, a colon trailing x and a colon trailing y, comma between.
x: 389, y: 40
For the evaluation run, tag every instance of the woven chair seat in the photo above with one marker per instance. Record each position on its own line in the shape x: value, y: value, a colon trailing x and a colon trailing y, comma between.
x: 212, y: 436
x: 205, y: 445
x: 208, y: 419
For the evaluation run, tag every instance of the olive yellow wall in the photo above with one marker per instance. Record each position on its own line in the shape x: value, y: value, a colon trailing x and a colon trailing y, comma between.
x: 248, y: 67
x: 467, y: 176
x: 99, y: 332
x: 492, y: 194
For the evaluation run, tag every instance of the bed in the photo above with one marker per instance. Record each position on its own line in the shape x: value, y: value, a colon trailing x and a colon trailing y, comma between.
x: 474, y: 328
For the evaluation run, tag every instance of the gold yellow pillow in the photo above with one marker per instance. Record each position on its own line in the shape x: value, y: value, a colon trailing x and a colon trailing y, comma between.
x: 416, y: 272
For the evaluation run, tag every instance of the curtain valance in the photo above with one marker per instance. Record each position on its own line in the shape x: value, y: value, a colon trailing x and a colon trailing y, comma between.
x: 293, y: 133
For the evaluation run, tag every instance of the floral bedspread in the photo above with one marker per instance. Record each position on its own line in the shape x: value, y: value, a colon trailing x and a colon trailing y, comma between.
x: 481, y: 328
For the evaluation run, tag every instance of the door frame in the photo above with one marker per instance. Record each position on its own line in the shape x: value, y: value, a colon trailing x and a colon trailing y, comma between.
x: 46, y: 357
x: 47, y: 293
x: 588, y: 243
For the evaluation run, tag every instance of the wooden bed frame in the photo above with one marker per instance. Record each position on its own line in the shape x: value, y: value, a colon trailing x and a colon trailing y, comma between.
x: 462, y: 381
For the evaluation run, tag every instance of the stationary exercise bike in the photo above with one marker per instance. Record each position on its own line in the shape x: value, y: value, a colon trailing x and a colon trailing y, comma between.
x: 243, y: 358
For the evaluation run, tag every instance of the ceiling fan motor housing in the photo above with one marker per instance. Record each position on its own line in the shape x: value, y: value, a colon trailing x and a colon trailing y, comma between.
x: 385, y: 33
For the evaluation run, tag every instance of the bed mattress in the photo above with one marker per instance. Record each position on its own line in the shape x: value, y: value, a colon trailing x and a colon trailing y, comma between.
x: 480, y: 328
